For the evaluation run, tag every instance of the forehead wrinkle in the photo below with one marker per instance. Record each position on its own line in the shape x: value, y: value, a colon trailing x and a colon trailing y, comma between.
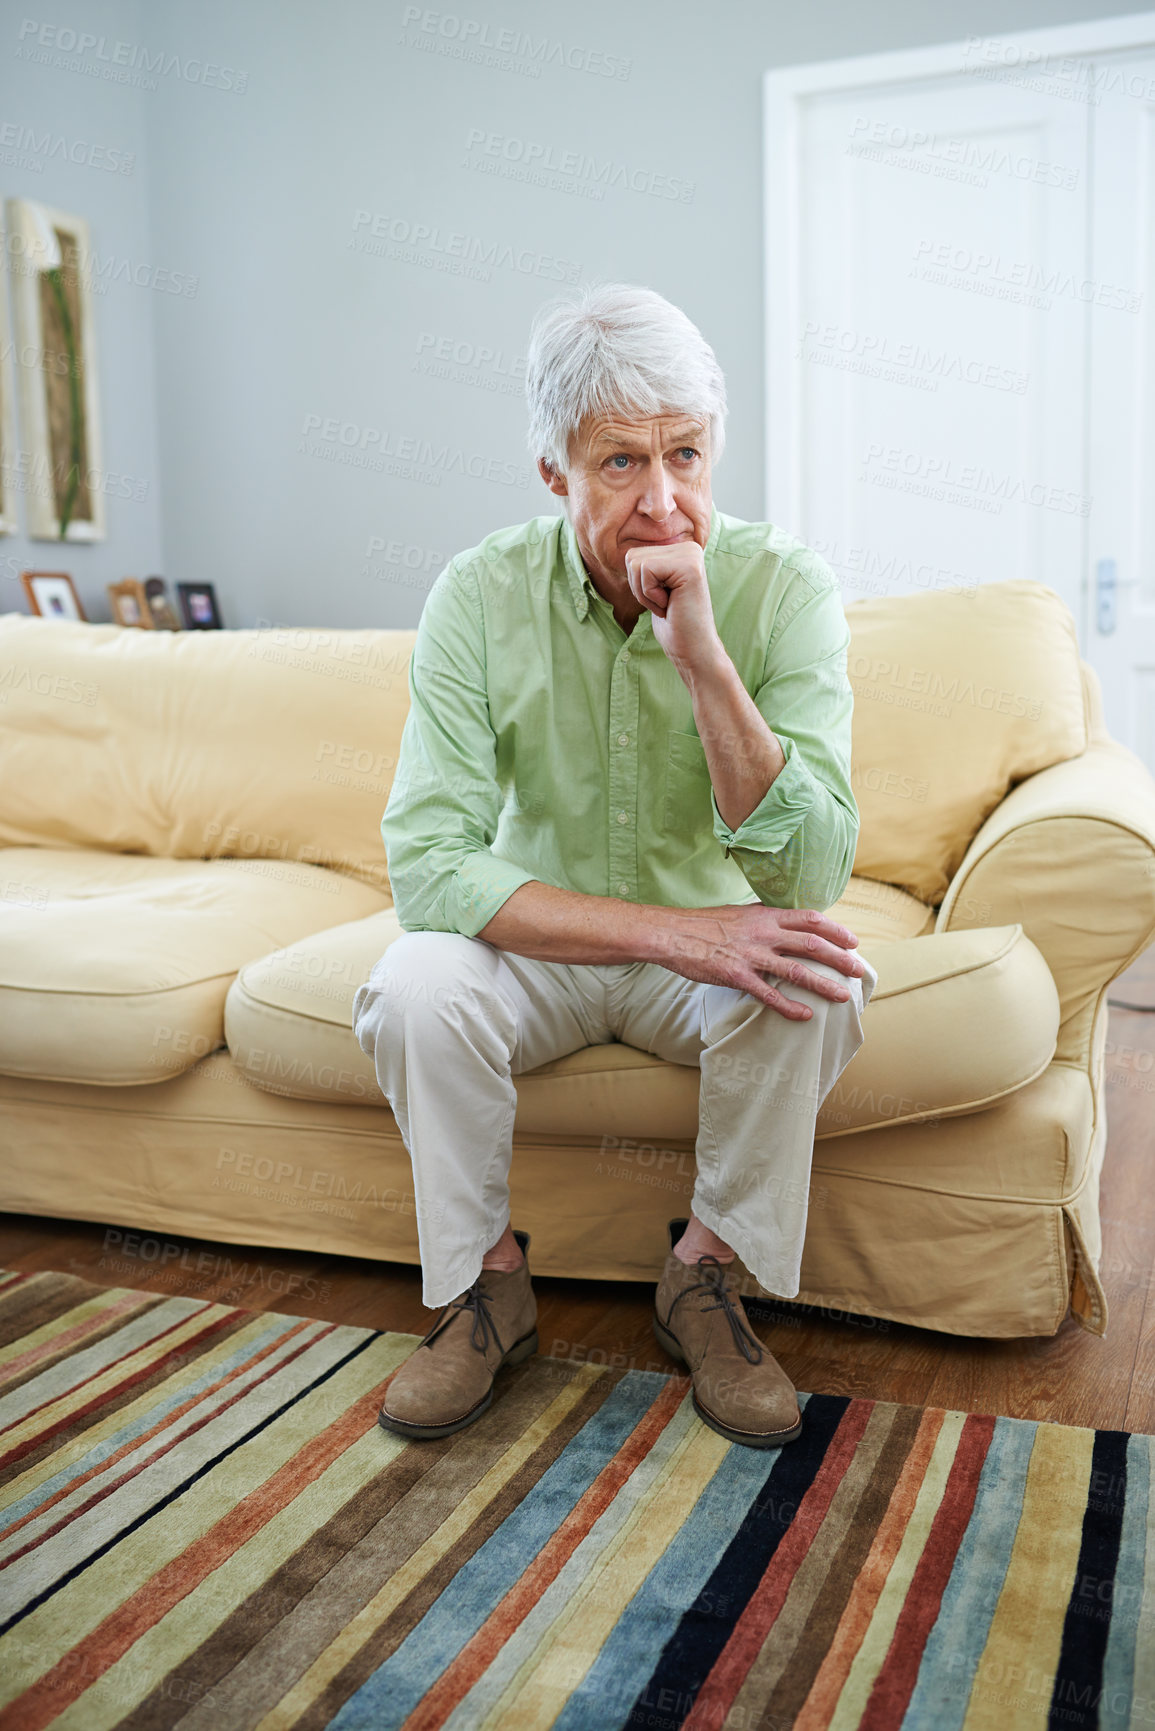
x: 624, y: 433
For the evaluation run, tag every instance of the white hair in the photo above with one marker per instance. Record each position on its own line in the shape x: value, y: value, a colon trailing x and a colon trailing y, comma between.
x: 617, y: 350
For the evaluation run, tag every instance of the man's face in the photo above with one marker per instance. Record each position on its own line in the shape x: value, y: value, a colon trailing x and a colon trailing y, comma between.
x: 635, y: 483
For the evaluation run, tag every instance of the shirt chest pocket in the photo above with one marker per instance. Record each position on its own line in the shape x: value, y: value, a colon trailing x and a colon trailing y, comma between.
x: 686, y: 803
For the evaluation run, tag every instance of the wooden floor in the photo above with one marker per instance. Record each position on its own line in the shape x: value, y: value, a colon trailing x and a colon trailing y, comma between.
x: 1073, y: 1377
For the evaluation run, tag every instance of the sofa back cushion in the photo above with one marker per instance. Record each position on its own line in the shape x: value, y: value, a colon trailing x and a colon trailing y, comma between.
x: 282, y: 743
x: 958, y: 695
x: 276, y: 744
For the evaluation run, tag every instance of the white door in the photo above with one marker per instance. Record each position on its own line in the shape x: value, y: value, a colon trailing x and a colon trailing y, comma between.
x: 1120, y: 623
x: 958, y: 263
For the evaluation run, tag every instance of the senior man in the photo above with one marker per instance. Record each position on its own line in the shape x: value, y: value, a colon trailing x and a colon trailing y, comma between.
x: 622, y: 806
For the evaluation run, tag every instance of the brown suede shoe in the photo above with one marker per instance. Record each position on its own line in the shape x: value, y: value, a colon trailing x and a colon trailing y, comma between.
x: 740, y: 1389
x: 447, y: 1382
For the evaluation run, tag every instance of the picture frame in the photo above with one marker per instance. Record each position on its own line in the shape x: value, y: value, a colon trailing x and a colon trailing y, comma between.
x: 50, y: 265
x: 163, y: 616
x: 52, y: 595
x: 130, y: 606
x: 198, y: 607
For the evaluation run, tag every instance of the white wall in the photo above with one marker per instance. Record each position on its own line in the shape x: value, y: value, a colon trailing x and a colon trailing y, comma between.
x: 274, y: 122
x: 58, y: 124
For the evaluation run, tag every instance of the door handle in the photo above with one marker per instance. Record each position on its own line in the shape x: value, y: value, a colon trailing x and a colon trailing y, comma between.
x: 1106, y: 586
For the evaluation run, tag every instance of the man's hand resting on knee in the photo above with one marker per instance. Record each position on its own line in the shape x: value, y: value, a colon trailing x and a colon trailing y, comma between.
x: 738, y: 946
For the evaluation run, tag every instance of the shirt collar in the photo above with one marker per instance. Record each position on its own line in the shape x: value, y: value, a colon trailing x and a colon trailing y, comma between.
x: 578, y: 578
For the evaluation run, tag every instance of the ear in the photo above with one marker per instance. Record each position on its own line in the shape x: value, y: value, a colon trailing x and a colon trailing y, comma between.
x: 555, y: 482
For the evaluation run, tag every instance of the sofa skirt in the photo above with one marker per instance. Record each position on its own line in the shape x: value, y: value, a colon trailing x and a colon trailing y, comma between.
x: 981, y: 1225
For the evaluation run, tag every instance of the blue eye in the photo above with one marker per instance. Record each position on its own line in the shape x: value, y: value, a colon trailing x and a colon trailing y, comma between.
x: 688, y: 452
x: 620, y: 458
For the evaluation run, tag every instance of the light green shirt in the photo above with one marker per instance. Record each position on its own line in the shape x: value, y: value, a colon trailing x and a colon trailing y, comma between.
x: 545, y: 743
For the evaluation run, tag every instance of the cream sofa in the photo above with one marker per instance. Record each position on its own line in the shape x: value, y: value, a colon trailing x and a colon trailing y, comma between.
x: 193, y: 885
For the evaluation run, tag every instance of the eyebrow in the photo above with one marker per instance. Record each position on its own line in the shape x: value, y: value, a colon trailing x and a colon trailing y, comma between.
x: 691, y: 434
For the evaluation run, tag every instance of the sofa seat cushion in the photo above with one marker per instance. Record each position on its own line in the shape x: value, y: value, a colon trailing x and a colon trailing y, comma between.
x: 880, y: 913
x: 957, y: 1020
x: 114, y: 967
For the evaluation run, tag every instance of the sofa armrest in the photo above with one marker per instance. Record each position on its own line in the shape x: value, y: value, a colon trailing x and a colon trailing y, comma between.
x: 1069, y: 855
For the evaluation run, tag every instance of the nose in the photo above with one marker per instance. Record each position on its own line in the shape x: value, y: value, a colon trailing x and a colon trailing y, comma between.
x: 657, y: 501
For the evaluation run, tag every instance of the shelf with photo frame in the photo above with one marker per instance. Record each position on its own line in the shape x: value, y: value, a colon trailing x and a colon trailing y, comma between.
x: 52, y: 595
x: 198, y: 607
x: 142, y: 606
x: 145, y: 606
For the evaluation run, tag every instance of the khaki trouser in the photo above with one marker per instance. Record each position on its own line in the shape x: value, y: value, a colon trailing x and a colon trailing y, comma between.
x: 449, y: 1020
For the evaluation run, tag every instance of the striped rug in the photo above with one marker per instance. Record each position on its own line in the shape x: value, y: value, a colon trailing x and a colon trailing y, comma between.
x: 204, y: 1527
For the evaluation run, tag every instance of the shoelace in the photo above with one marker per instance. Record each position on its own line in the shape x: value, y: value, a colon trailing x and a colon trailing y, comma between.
x: 714, y: 1282
x: 483, y: 1328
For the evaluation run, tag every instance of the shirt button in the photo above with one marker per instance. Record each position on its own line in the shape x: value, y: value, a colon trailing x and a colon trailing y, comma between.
x: 625, y: 658
x: 623, y: 817
x: 623, y: 739
x: 623, y: 889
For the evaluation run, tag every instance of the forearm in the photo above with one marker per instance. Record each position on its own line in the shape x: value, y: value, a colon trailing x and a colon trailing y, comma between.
x: 743, y: 754
x: 799, y: 851
x: 552, y: 925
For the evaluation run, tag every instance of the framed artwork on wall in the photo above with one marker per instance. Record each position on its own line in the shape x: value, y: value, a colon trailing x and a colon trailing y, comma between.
x: 49, y: 261
x: 52, y: 595
x: 8, y: 524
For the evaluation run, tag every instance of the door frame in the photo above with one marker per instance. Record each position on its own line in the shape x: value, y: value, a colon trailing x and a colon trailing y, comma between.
x: 784, y: 90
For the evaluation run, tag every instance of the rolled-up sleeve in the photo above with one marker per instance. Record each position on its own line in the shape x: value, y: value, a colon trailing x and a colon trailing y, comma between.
x: 443, y: 808
x: 796, y: 848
